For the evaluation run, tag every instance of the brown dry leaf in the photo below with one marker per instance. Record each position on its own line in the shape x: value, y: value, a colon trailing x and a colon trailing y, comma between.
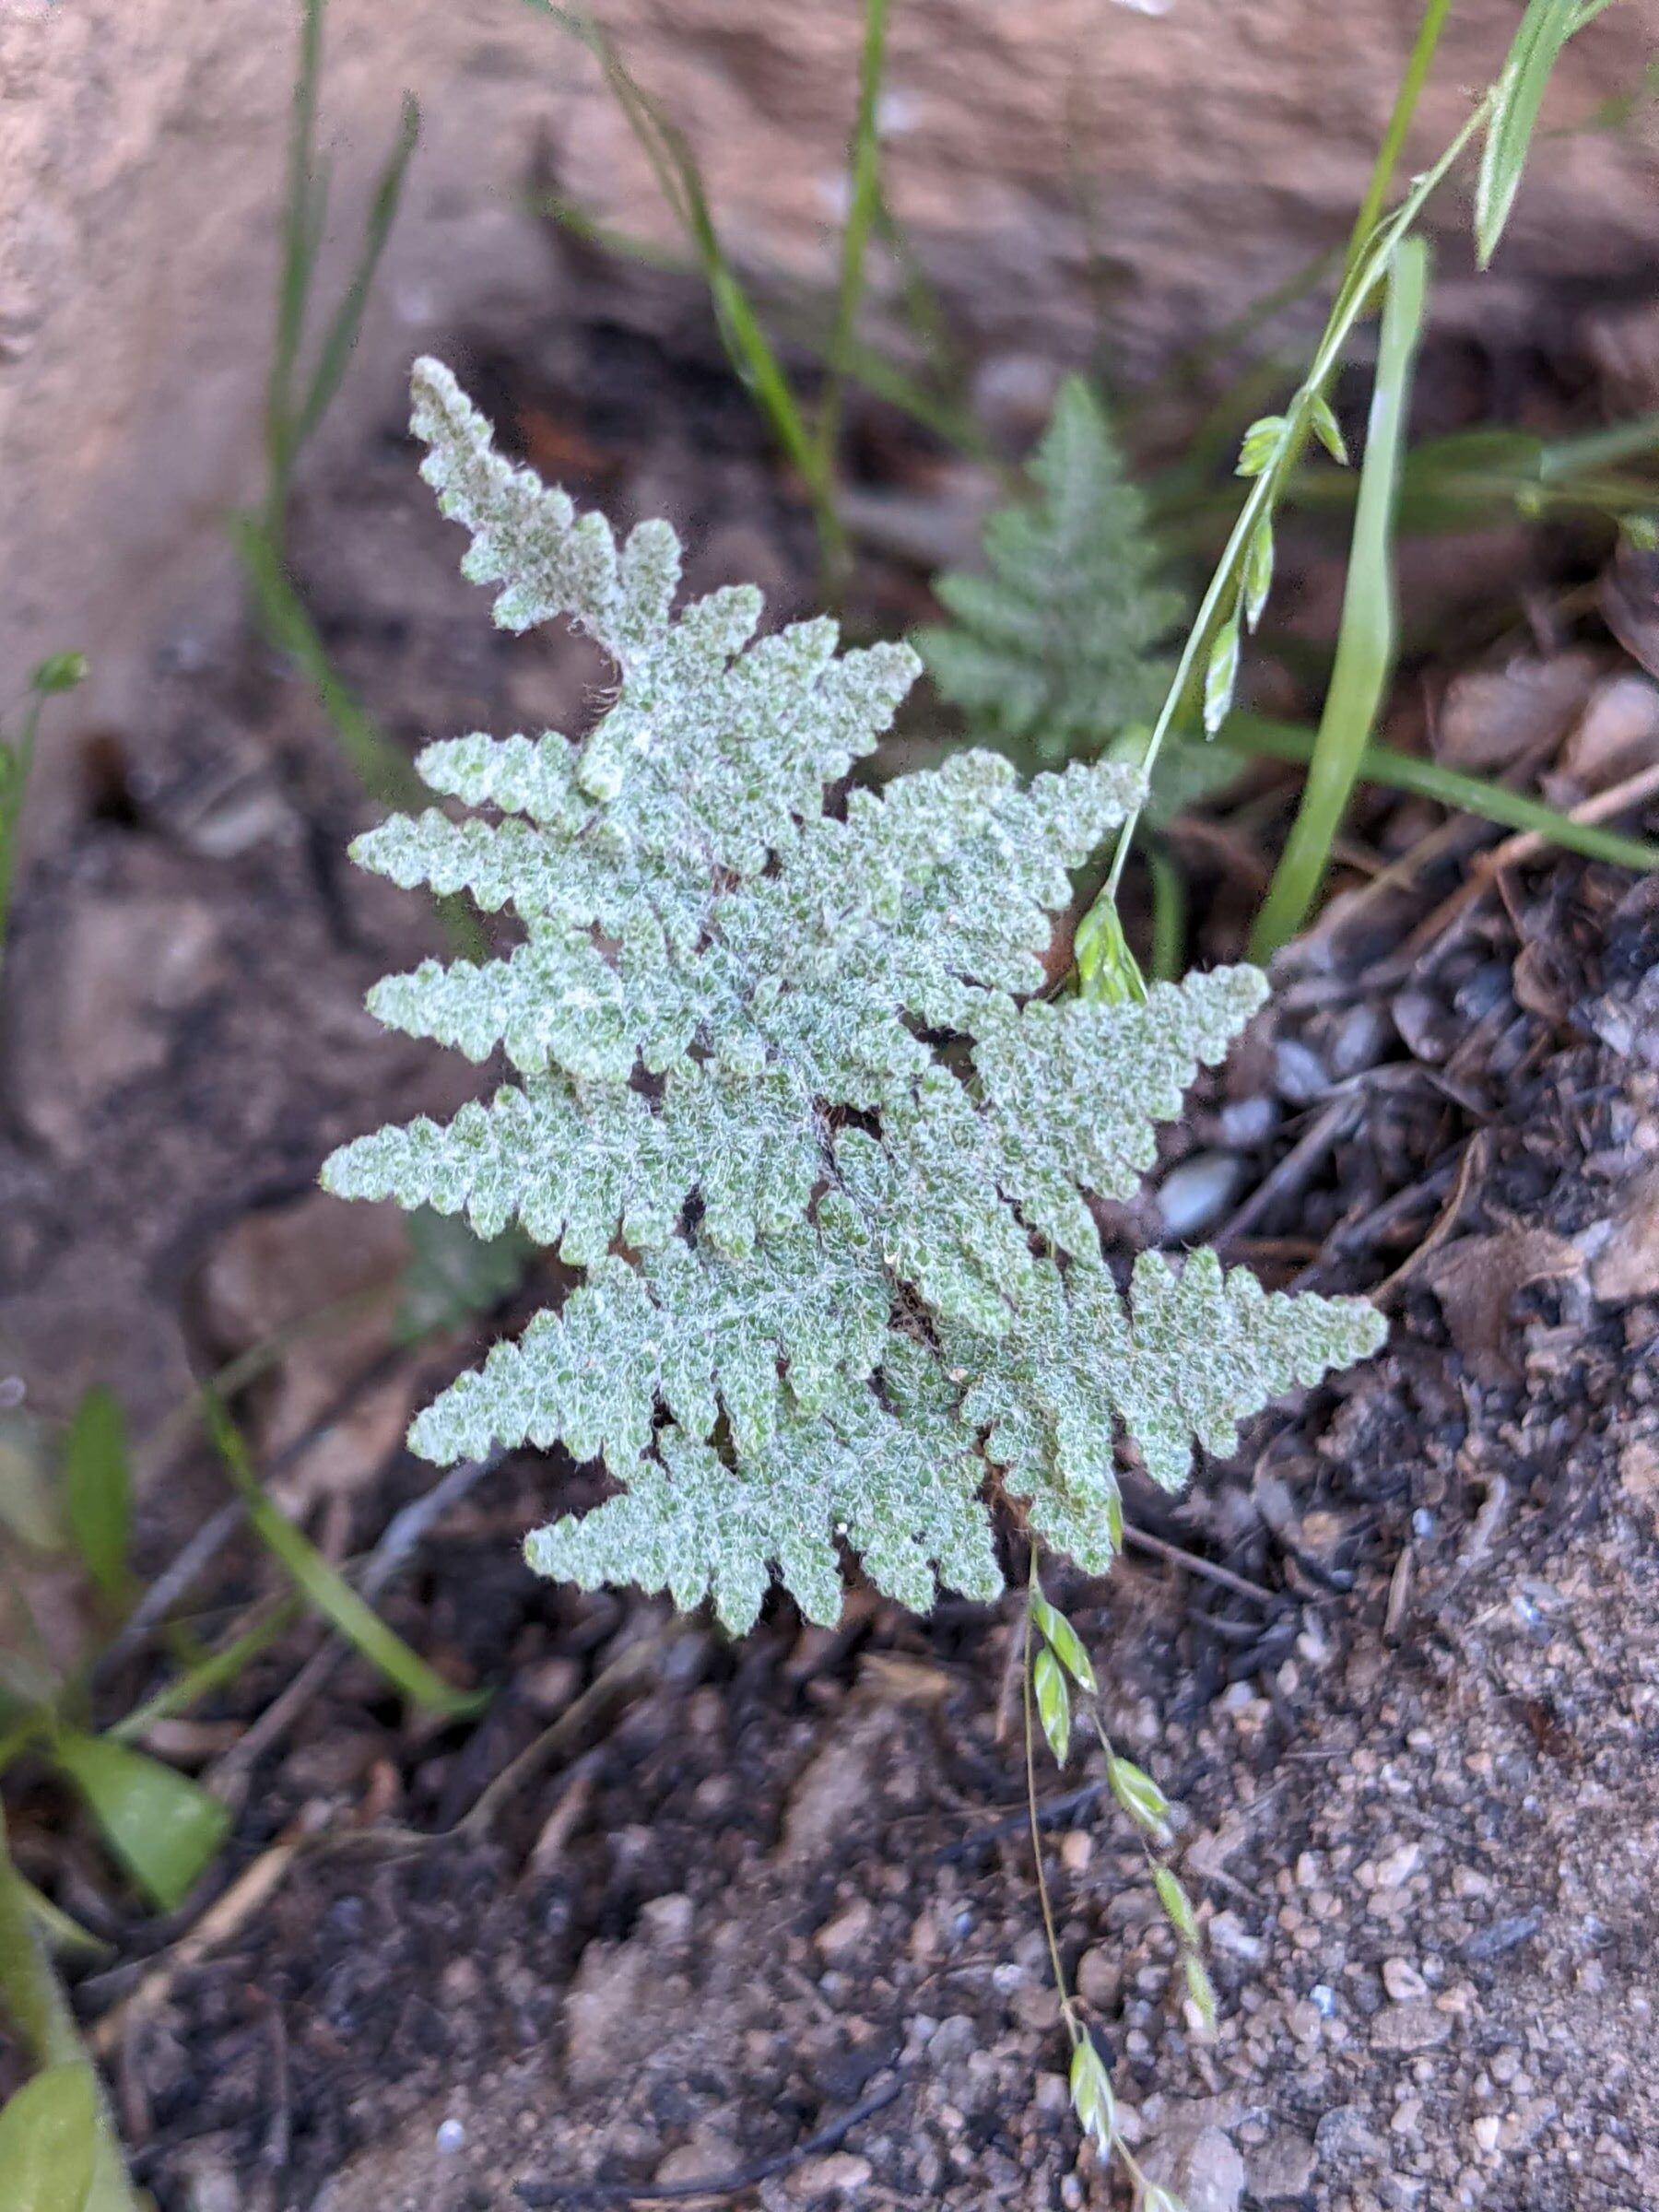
x: 1630, y: 604
x: 1617, y: 735
x: 1476, y: 1280
x: 1627, y: 1265
x: 1498, y: 718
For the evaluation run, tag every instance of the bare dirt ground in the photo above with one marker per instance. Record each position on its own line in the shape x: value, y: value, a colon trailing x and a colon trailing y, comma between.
x: 756, y: 1923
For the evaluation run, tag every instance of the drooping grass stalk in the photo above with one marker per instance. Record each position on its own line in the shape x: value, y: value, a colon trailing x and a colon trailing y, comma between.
x: 863, y: 204
x: 1418, y: 66
x: 1366, y: 640
x: 1216, y: 624
x: 1257, y: 735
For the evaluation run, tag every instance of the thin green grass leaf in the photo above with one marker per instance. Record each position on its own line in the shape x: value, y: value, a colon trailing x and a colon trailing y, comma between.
x: 1543, y: 32
x: 207, y: 1675
x: 386, y: 776
x: 1254, y: 733
x: 60, y: 673
x: 865, y: 194
x: 164, y: 1828
x: 342, y: 332
x: 1168, y: 915
x: 98, y: 1489
x: 1366, y: 644
x: 329, y: 1592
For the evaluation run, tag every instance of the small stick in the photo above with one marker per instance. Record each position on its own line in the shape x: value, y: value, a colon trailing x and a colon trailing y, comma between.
x: 1145, y: 1541
x: 730, y: 2184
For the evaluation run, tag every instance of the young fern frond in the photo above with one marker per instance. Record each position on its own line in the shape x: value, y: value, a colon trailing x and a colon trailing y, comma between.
x: 1054, y: 650
x: 789, y: 1095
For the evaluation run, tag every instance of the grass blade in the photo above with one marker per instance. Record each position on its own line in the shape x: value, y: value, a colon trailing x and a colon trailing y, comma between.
x: 206, y: 1676
x: 1255, y: 734
x: 380, y: 769
x: 98, y: 1489
x: 329, y: 1592
x: 342, y: 337
x: 1365, y: 646
x: 1544, y: 30
x: 863, y: 208
x: 304, y: 203
x: 61, y: 672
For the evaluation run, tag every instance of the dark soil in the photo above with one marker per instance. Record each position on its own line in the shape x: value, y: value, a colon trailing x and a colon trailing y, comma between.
x: 760, y: 1917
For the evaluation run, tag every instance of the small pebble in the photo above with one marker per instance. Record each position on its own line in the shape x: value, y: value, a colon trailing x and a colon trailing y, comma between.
x: 1403, y: 1982
x: 451, y: 2136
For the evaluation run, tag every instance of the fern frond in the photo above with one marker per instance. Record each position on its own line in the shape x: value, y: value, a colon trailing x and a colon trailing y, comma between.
x: 1054, y: 650
x: 790, y: 1096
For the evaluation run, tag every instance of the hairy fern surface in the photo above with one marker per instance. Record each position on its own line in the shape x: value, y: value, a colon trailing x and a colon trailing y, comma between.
x: 788, y: 1092
x: 1055, y: 650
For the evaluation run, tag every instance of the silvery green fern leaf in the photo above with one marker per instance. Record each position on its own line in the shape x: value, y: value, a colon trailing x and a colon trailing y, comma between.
x: 1054, y: 650
x: 789, y: 1092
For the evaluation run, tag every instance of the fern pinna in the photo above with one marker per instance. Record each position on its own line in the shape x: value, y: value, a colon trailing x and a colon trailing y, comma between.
x: 793, y: 1098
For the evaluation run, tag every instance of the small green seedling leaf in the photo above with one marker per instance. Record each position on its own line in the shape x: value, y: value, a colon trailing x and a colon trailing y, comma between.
x: 1221, y: 675
x: 1138, y: 1795
x: 59, y: 1932
x: 1258, y: 571
x: 332, y: 1595
x: 1328, y: 430
x: 1054, y: 1703
x: 1176, y: 1903
x: 163, y: 1828
x: 1262, y: 444
x: 49, y: 2142
x: 98, y: 1489
x: 1091, y: 2096
x: 1064, y: 1643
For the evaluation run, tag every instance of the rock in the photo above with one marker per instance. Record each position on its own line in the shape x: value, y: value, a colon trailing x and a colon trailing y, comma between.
x: 1414, y: 2026
x: 1627, y: 1265
x: 836, y: 2173
x: 1195, y: 1195
x: 1618, y: 734
x: 1100, y: 1977
x: 709, y: 2157
x: 1283, y: 2168
x: 1204, y: 2169
x: 1403, y: 1982
x: 280, y: 1266
x: 1345, y: 2132
x: 97, y: 1009
x: 848, y: 1934
x: 601, y: 2012
x: 815, y: 1819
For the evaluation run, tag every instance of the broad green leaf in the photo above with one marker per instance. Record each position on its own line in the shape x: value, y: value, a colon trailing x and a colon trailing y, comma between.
x: 49, y: 2142
x: 164, y: 1828
x: 98, y: 1488
x: 329, y: 1592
